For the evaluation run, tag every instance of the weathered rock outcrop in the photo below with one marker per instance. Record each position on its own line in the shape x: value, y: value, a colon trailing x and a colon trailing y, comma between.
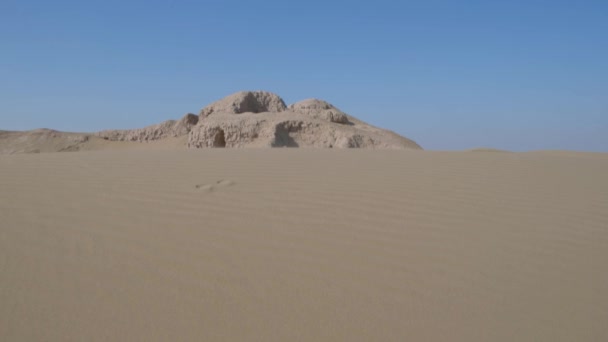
x: 170, y: 128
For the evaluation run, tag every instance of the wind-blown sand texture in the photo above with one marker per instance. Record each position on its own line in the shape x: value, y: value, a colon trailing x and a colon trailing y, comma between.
x: 303, y: 245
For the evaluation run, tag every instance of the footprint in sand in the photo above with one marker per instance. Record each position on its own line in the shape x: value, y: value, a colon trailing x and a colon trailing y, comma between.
x: 211, y: 187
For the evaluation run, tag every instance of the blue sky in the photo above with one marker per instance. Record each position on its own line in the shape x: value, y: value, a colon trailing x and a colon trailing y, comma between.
x: 517, y: 75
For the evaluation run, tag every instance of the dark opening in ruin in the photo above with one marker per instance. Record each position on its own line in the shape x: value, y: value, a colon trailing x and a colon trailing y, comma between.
x: 220, y: 140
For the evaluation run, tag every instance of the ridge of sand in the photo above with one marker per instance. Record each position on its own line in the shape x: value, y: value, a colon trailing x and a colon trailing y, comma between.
x: 487, y: 149
x: 303, y: 244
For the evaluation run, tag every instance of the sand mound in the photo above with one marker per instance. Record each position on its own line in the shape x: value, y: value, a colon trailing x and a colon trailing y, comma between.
x: 41, y: 140
x: 487, y: 149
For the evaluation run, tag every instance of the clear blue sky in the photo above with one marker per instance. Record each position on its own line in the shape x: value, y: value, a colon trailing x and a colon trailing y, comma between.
x: 518, y: 75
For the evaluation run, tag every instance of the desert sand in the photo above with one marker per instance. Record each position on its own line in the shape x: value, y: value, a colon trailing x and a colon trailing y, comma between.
x: 161, y: 243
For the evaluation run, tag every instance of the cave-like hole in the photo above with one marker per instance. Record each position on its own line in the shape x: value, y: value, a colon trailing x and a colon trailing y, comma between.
x: 220, y: 140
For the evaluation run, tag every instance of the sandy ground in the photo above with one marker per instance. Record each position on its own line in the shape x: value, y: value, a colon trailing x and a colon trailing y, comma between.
x: 303, y: 245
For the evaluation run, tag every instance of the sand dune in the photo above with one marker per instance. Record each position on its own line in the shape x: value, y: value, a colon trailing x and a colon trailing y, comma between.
x: 487, y: 149
x: 303, y: 245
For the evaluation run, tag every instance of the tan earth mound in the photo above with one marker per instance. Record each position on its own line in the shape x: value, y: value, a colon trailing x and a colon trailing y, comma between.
x: 290, y: 129
x: 41, y: 140
x: 320, y: 109
x: 246, y: 102
x: 169, y: 128
x: 243, y: 119
x: 264, y: 121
